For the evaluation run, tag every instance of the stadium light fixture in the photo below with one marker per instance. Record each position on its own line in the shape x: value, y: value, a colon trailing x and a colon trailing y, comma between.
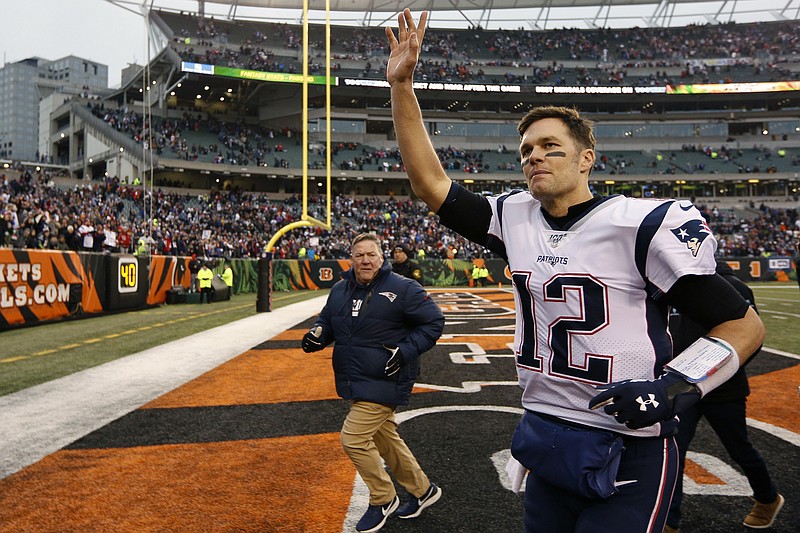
x: 121, y: 149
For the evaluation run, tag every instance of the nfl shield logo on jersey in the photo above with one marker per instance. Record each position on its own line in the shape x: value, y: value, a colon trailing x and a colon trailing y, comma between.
x: 692, y: 233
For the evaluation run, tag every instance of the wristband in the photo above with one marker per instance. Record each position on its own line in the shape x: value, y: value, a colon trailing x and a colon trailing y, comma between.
x: 708, y: 363
x: 702, y: 359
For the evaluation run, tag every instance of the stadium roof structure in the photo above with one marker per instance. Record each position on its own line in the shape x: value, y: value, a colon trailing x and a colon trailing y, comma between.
x: 508, y: 14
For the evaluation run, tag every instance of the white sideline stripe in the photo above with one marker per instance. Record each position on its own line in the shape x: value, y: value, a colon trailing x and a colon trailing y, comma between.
x: 779, y: 352
x: 359, y: 500
x: 43, y: 419
x: 784, y: 434
x: 466, y: 386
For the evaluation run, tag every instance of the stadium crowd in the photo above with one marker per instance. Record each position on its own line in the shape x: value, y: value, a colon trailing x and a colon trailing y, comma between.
x: 107, y: 216
x: 238, y: 143
x: 637, y: 56
x: 246, y: 144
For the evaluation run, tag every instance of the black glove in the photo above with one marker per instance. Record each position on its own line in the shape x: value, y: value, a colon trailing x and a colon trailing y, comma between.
x: 395, y: 360
x: 312, y: 341
x: 639, y: 403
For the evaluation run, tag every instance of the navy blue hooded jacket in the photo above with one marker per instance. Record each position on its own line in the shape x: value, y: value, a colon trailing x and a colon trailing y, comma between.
x: 395, y: 311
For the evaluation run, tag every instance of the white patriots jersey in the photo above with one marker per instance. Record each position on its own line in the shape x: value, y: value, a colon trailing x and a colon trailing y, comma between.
x: 586, y: 315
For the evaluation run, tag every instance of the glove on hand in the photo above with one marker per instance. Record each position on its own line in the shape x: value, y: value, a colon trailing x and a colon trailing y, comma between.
x: 312, y: 341
x: 395, y: 360
x: 639, y: 403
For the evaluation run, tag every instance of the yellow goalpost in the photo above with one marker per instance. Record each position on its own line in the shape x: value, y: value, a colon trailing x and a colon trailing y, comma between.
x: 306, y: 219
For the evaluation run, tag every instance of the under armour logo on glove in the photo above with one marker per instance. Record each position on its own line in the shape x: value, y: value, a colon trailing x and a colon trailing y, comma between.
x: 644, y: 403
x: 665, y: 396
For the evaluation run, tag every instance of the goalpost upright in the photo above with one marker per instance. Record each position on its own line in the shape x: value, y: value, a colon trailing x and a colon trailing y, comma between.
x: 264, y: 300
x: 306, y: 219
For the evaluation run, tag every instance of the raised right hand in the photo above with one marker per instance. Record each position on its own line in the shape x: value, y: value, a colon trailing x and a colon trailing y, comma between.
x: 405, y: 48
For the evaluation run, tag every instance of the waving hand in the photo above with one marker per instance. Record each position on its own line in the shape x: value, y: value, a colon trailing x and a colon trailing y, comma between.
x: 405, y: 48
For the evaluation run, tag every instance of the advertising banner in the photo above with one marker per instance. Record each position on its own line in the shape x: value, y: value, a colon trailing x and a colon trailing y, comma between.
x: 166, y: 272
x: 39, y: 285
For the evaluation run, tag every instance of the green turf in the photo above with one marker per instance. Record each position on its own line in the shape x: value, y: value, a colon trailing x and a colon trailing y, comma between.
x: 779, y: 307
x: 34, y: 355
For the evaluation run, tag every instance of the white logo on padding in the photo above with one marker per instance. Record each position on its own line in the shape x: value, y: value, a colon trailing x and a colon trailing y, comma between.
x: 644, y: 403
x: 389, y: 295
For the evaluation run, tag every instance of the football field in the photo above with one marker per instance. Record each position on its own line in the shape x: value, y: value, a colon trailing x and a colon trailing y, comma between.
x: 236, y: 429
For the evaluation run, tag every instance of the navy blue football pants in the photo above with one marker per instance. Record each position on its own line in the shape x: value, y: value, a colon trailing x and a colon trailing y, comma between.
x: 646, y: 479
x: 728, y: 420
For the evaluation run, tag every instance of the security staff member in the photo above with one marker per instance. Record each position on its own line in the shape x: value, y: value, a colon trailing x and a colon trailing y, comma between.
x: 227, y: 277
x: 204, y: 278
x: 404, y: 266
x: 483, y: 275
x: 476, y: 275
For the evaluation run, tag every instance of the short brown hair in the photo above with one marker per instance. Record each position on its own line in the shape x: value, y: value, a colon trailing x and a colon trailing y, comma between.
x: 580, y: 129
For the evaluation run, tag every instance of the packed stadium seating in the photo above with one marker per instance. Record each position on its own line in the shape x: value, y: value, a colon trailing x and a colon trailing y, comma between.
x: 227, y: 138
x: 212, y: 141
x: 697, y: 54
x: 43, y: 211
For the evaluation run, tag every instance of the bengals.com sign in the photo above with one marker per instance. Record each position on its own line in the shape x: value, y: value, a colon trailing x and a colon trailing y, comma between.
x: 43, y: 285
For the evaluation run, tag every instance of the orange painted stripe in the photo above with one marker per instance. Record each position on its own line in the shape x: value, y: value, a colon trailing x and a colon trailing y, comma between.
x: 259, y: 377
x: 499, y: 342
x: 290, y: 335
x: 499, y: 297
x: 773, y: 398
x: 700, y: 475
x: 257, y: 485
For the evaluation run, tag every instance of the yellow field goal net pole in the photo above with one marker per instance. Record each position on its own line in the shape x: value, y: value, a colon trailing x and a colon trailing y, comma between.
x: 306, y: 219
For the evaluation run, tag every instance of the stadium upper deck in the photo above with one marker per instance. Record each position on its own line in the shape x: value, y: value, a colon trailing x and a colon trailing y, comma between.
x: 480, y: 82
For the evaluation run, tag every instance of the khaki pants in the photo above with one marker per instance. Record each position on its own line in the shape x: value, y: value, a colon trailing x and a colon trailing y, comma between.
x: 369, y: 434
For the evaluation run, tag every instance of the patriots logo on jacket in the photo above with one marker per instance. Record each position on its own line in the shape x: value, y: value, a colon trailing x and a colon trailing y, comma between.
x: 389, y: 295
x: 692, y: 234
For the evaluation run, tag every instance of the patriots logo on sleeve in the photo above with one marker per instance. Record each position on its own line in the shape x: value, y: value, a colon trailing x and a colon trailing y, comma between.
x: 692, y: 233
